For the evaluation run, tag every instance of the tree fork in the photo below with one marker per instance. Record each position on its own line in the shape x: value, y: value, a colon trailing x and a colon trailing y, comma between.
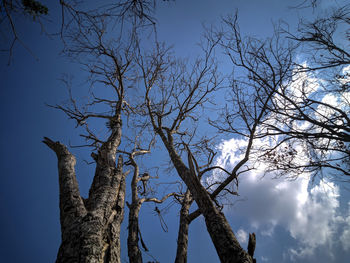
x: 222, y: 236
x: 90, y: 230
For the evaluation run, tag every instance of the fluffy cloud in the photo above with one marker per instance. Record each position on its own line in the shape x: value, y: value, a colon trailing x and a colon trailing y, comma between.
x: 242, y: 236
x: 309, y: 213
x: 345, y: 237
x: 316, y: 219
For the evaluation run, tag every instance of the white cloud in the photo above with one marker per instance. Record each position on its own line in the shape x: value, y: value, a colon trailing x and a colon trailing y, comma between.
x: 309, y: 214
x: 345, y: 237
x: 315, y: 220
x: 242, y: 236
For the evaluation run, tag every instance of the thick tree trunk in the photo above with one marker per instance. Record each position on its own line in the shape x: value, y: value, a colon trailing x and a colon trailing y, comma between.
x: 222, y: 236
x: 182, y: 237
x: 90, y: 228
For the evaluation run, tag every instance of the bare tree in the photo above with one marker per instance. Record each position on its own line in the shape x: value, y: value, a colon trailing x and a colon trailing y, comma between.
x: 306, y: 124
x: 91, y: 227
x: 312, y: 109
x: 73, y: 15
x: 248, y: 106
x: 261, y: 106
x: 264, y: 66
x: 139, y: 195
x: 182, y: 94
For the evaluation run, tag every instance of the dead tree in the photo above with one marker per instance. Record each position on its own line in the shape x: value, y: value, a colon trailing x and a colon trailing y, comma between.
x: 138, y: 197
x: 73, y: 13
x: 181, y: 93
x: 264, y: 66
x: 311, y: 109
x: 92, y: 234
x: 91, y: 228
x: 184, y: 94
x: 187, y: 200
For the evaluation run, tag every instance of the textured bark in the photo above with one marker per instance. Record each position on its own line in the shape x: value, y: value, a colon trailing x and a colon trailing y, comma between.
x: 224, y: 240
x: 182, y: 237
x: 222, y: 236
x: 91, y: 228
x: 134, y: 252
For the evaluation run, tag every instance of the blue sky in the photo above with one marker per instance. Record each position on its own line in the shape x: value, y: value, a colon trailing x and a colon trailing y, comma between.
x: 294, y: 221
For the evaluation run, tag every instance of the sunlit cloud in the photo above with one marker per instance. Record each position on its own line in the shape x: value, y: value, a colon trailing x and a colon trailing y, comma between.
x: 315, y: 220
x: 309, y: 213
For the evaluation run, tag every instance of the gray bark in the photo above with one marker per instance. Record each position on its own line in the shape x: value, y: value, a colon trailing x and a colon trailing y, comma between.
x: 90, y: 229
x: 134, y: 252
x: 222, y: 236
x: 182, y: 237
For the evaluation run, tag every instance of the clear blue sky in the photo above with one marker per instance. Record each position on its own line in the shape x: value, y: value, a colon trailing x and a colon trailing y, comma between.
x: 29, y: 219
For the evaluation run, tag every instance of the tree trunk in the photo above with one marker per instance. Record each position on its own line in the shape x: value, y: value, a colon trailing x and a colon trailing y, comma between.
x: 182, y: 238
x: 222, y: 236
x: 90, y: 228
x: 134, y: 252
